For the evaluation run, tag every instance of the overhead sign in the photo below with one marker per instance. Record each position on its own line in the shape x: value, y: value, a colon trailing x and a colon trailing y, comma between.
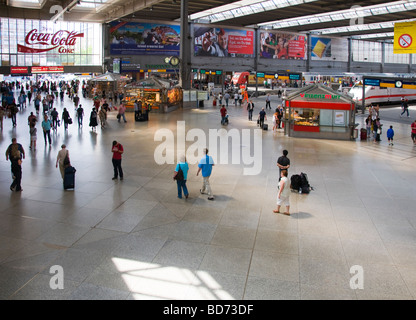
x: 404, y: 37
x: 47, y: 69
x: 62, y: 40
x: 372, y: 82
x: 19, y: 70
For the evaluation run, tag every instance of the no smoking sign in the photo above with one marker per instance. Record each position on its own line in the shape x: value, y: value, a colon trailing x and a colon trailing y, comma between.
x: 405, y: 40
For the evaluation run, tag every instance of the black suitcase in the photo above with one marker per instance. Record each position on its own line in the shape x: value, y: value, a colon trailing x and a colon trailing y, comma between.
x: 69, y: 178
x: 265, y: 126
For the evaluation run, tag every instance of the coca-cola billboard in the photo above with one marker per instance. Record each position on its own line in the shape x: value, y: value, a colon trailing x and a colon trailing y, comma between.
x: 62, y: 40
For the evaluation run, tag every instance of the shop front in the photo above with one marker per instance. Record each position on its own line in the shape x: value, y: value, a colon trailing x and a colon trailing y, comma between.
x: 154, y: 93
x: 107, y: 83
x: 319, y: 112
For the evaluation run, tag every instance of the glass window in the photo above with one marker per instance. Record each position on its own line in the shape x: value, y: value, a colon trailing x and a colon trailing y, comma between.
x: 305, y: 117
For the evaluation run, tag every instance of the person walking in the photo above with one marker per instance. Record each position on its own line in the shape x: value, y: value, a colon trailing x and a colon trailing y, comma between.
x: 390, y: 135
x: 15, y: 153
x: 283, y: 162
x: 275, y: 121
x: 283, y: 196
x: 66, y: 118
x: 76, y: 101
x: 235, y: 98
x: 268, y: 102
x: 181, y: 179
x: 62, y: 160
x: 413, y: 135
x: 33, y: 135
x: 250, y: 109
x: 46, y: 126
x: 117, y: 151
x: 121, y: 112
x: 205, y: 165
x: 80, y: 115
x: 103, y: 117
x: 405, y: 107
x: 13, y: 111
x: 55, y: 116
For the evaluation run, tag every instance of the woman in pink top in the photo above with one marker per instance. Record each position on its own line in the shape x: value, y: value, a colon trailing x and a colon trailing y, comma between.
x: 121, y: 112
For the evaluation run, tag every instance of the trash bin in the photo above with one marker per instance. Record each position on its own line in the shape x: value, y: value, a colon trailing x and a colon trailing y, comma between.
x: 286, y: 127
x: 355, y: 133
x: 201, y: 103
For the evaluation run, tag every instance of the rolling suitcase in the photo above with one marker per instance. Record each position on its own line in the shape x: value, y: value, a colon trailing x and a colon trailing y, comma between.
x: 69, y: 178
x: 265, y: 126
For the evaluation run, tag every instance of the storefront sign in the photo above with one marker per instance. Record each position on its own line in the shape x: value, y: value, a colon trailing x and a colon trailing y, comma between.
x: 19, y: 70
x: 320, y: 96
x: 47, y: 69
x: 62, y: 40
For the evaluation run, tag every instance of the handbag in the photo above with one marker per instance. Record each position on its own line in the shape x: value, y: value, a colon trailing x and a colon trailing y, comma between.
x: 118, y: 116
x: 179, y: 176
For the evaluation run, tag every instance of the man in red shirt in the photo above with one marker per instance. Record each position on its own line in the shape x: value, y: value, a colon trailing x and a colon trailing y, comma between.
x: 117, y: 152
x: 223, y: 111
x: 413, y: 126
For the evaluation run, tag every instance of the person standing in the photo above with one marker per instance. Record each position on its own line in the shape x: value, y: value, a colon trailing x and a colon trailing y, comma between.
x: 80, y: 115
x: 283, y: 162
x: 268, y: 102
x: 117, y: 151
x: 262, y: 117
x: 103, y: 117
x: 283, y: 196
x: 223, y: 111
x: 15, y: 153
x: 1, y: 117
x: 62, y: 160
x: 250, y: 109
x: 93, y: 119
x: 205, y: 165
x: 390, y: 135
x: 413, y: 135
x: 275, y: 120
x: 181, y: 183
x: 226, y: 98
x: 46, y: 126
x: 235, y: 98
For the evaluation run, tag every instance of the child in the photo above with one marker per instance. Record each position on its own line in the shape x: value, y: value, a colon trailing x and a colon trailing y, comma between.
x: 390, y: 134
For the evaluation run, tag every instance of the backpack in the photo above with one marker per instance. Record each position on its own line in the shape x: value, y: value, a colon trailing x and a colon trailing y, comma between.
x: 295, y: 181
x: 305, y: 183
x: 179, y: 176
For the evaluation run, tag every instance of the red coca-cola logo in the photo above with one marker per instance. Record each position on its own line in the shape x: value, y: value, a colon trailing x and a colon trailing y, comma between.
x: 62, y: 39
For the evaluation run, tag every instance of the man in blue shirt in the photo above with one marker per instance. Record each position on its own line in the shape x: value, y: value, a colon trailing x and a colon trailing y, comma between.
x: 46, y: 126
x: 205, y: 165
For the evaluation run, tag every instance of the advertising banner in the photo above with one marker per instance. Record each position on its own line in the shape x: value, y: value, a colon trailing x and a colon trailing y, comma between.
x: 220, y: 42
x: 279, y: 45
x: 329, y: 48
x: 134, y: 38
x: 404, y: 37
x: 47, y: 69
x: 19, y: 70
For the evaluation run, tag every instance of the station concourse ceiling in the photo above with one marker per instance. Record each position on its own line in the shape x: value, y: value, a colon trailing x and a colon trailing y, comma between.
x: 366, y: 19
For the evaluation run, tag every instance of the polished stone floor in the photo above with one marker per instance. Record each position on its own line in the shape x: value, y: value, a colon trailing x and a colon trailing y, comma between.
x: 134, y: 239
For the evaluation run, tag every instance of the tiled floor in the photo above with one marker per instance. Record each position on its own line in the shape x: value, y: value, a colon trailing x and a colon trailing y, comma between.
x: 134, y: 239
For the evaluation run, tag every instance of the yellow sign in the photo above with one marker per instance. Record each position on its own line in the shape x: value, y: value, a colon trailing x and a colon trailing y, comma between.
x: 404, y: 37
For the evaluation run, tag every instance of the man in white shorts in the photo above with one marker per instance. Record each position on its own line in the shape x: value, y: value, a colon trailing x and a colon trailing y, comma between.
x: 283, y: 196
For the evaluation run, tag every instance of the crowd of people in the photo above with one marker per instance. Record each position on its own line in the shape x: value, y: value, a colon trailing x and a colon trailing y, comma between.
x: 44, y: 97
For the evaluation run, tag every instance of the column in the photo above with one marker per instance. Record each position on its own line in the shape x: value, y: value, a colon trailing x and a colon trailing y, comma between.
x: 185, y: 59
